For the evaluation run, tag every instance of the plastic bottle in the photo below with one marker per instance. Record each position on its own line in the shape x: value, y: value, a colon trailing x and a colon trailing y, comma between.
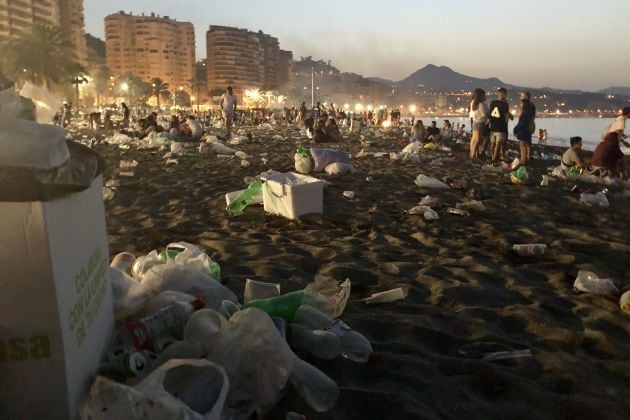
x: 167, y: 321
x: 245, y: 198
x: 529, y: 250
x: 354, y: 346
x: 589, y: 282
x: 285, y: 306
x: 123, y: 262
x: 318, y: 390
x: 324, y: 345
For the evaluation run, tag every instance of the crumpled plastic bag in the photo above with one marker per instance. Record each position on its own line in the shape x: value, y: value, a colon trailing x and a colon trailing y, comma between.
x: 177, y: 147
x: 303, y: 164
x: 257, y: 359
x: 178, y: 252
x: 187, y: 279
x: 111, y: 400
x: 198, y: 387
x: 519, y: 176
x: 26, y: 144
x: 600, y: 199
x: 166, y: 298
x: 324, y: 157
x: 221, y: 149
x: 424, y: 181
x: 413, y: 147
x: 129, y: 296
x: 337, y: 169
x: 589, y: 282
x: 120, y: 138
x: 74, y: 175
x: 336, y: 294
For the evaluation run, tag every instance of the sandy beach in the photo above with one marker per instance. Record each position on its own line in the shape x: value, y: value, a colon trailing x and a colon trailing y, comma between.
x: 468, y: 292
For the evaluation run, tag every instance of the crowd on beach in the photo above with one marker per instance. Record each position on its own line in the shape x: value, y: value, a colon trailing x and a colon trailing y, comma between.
x: 324, y: 122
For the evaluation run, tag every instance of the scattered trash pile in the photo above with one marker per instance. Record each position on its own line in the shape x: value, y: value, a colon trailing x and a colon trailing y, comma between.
x: 332, y: 161
x: 187, y: 348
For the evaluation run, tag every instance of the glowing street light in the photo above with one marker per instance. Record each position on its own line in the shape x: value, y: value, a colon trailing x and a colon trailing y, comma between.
x: 412, y: 108
x: 370, y: 108
x: 358, y: 107
x: 346, y: 106
x: 125, y: 87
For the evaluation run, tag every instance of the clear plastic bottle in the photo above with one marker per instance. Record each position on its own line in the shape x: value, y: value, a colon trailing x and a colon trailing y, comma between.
x: 322, y: 344
x: 167, y: 321
x: 318, y: 390
x: 354, y: 346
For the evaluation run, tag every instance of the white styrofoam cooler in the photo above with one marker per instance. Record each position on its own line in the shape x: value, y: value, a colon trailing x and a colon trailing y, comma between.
x: 56, y: 311
x: 293, y: 195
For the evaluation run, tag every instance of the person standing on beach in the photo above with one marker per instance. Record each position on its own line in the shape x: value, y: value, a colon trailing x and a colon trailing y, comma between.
x: 526, y: 127
x: 499, y: 115
x: 619, y: 124
x: 126, y: 114
x: 228, y: 108
x: 479, y: 116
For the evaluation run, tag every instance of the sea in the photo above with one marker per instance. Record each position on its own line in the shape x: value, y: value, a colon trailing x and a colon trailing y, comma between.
x: 559, y: 130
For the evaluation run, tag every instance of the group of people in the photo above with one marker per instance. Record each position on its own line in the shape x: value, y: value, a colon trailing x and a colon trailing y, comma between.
x: 432, y: 134
x: 490, y: 125
x: 607, y: 159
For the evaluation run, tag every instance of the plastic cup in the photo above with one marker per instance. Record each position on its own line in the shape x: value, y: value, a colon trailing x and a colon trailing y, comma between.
x: 260, y: 290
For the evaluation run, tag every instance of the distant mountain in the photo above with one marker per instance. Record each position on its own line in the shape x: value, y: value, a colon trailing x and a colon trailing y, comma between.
x: 616, y: 90
x: 434, y: 78
x: 382, y: 81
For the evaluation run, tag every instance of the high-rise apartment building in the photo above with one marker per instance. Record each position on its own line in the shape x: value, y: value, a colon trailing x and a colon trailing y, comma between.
x: 18, y: 15
x: 243, y: 59
x: 151, y: 46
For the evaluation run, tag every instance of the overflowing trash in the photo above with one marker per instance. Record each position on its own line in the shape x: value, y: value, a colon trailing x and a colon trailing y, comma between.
x: 186, y: 348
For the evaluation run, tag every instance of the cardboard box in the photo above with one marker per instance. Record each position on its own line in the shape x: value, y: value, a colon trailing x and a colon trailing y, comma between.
x: 293, y: 195
x: 56, y: 311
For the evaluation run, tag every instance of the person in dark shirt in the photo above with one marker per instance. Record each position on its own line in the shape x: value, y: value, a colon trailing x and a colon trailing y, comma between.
x: 526, y: 127
x: 434, y: 134
x: 608, y: 158
x: 499, y: 115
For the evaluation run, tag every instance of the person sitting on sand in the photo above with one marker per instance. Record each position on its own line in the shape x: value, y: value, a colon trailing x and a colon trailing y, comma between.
x: 572, y: 160
x: 433, y: 133
x: 173, y: 125
x: 320, y: 135
x: 607, y: 157
x: 332, y: 131
x: 418, y: 132
x: 196, y: 130
x: 108, y: 124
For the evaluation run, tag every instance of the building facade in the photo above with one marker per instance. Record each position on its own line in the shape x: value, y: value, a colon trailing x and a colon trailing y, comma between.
x: 18, y: 15
x: 151, y: 46
x: 244, y: 60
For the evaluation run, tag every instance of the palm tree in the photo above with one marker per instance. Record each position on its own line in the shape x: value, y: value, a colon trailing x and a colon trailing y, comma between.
x: 40, y: 54
x: 159, y: 88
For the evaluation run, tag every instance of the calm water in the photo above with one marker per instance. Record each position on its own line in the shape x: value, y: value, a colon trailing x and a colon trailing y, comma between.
x: 559, y: 130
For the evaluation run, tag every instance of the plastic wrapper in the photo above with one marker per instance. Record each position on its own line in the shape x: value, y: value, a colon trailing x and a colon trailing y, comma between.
x: 424, y: 181
x: 303, y: 163
x: 257, y: 359
x: 74, y: 175
x: 335, y: 293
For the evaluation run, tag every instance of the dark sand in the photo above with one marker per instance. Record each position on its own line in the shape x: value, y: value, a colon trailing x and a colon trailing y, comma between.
x: 467, y: 289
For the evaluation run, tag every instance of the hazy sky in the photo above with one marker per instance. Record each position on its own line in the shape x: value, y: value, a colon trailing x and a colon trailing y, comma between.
x: 578, y: 44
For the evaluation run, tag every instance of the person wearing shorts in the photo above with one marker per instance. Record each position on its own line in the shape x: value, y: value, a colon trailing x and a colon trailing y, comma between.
x: 228, y: 108
x: 499, y: 115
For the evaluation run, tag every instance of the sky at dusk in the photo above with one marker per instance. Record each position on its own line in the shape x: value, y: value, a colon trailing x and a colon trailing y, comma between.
x: 578, y: 44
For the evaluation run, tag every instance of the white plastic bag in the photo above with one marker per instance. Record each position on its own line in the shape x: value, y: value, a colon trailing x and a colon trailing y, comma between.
x: 257, y: 359
x: 413, y: 147
x: 221, y: 149
x: 109, y: 400
x: 339, y: 169
x: 177, y: 147
x: 46, y: 103
x: 164, y: 299
x: 303, y: 164
x: 27, y: 144
x: 129, y: 296
x: 424, y: 181
x: 187, y: 279
x: 589, y: 282
x: 198, y: 387
x: 600, y: 199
